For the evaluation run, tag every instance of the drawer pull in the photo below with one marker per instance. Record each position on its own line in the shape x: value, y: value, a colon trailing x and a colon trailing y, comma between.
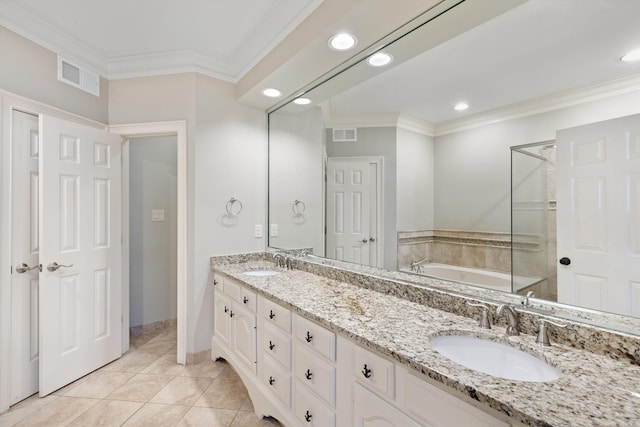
x: 308, y: 417
x: 308, y: 375
x: 231, y: 314
x: 226, y: 309
x: 245, y: 300
x: 366, y: 371
x: 272, y: 381
x: 271, y: 314
x: 271, y: 346
x: 308, y: 337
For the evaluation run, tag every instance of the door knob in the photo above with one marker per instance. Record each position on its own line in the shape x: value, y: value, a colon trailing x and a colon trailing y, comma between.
x: 54, y: 266
x: 23, y: 268
x: 565, y: 261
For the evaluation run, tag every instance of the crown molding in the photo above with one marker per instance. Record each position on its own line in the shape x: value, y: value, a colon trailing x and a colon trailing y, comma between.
x: 416, y: 125
x: 541, y: 105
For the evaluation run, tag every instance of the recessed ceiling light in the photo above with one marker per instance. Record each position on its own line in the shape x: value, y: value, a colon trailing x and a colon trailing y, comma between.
x: 271, y: 92
x: 461, y: 106
x: 302, y: 101
x: 379, y: 59
x: 634, y: 55
x: 342, y: 41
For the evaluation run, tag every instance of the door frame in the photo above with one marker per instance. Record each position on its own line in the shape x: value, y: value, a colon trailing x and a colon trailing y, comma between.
x: 138, y: 130
x: 379, y: 162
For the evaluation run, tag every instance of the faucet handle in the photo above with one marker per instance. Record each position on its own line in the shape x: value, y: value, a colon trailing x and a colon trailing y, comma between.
x: 484, y: 317
x: 543, y: 335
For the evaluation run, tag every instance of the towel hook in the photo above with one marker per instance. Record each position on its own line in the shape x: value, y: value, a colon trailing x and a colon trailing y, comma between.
x: 298, y: 207
x: 230, y: 206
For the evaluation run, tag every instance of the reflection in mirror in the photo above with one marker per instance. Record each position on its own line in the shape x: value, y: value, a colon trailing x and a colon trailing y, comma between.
x: 382, y: 156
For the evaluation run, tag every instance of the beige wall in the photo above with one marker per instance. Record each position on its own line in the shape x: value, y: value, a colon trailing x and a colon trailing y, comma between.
x: 31, y: 71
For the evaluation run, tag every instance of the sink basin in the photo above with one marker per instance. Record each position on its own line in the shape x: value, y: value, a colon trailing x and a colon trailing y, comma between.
x: 261, y: 273
x: 493, y: 358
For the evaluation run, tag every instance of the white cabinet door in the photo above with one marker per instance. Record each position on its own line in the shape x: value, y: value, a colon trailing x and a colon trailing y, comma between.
x: 24, y: 251
x: 221, y: 319
x: 371, y: 411
x: 598, y: 178
x: 80, y: 310
x: 243, y: 343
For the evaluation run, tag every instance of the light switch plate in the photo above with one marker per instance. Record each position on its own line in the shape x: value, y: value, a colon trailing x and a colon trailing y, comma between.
x: 157, y: 215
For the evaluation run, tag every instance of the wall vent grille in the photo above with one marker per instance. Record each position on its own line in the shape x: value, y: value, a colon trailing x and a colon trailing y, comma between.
x: 78, y: 77
x: 345, y: 134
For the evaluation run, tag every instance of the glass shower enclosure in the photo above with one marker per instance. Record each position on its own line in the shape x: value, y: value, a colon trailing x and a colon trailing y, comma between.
x: 533, y: 220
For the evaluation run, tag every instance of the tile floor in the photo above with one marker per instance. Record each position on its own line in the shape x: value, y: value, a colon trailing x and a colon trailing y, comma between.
x: 145, y: 387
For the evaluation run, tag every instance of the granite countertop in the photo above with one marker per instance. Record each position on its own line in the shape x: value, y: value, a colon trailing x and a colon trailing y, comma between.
x: 593, y: 390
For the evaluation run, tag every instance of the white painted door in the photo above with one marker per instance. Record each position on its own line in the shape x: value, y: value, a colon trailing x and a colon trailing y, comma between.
x: 348, y: 219
x: 598, y: 191
x: 80, y: 230
x: 24, y: 256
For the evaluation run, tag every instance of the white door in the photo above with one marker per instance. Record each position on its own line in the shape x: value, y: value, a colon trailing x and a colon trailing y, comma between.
x: 348, y: 220
x: 80, y: 231
x: 24, y: 256
x: 598, y: 191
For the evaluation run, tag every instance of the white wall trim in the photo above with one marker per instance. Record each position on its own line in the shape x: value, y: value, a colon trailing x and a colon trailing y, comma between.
x: 178, y: 128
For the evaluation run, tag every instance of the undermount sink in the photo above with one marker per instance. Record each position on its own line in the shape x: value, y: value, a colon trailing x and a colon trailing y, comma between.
x: 493, y: 358
x: 261, y: 272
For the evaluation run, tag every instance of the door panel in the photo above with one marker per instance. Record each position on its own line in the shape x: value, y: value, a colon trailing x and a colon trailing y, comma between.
x: 599, y: 215
x: 80, y: 229
x: 24, y: 249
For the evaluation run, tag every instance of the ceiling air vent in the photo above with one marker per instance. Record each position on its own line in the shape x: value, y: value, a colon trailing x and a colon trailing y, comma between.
x: 345, y: 134
x: 77, y: 77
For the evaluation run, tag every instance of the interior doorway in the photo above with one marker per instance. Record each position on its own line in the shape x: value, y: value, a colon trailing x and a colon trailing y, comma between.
x: 152, y: 196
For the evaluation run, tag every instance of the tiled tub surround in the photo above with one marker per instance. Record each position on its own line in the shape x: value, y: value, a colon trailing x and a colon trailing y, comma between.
x: 487, y: 251
x: 396, y: 321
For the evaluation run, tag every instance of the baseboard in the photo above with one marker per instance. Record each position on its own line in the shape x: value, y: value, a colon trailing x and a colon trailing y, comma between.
x: 199, y: 357
x: 134, y: 331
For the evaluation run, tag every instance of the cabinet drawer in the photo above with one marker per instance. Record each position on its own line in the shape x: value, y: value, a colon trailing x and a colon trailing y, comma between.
x: 232, y: 289
x: 316, y: 373
x: 310, y: 410
x: 277, y: 344
x: 248, y: 299
x: 374, y: 371
x: 277, y: 315
x: 433, y: 406
x: 315, y: 337
x: 277, y: 380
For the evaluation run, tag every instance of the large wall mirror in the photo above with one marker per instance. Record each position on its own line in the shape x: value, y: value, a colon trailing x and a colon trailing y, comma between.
x: 534, y: 186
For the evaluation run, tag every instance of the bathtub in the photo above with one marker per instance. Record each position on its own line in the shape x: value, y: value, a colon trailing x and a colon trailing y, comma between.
x: 470, y: 276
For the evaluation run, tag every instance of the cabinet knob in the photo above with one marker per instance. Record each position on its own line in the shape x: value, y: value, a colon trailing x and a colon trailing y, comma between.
x: 308, y: 375
x: 272, y: 381
x: 245, y: 300
x: 226, y: 309
x: 308, y: 337
x: 215, y: 282
x: 308, y: 416
x: 565, y: 261
x: 366, y: 371
x: 271, y: 346
x: 230, y: 313
x: 271, y: 314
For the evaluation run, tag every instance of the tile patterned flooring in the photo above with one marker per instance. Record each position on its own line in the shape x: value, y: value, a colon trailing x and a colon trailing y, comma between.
x: 145, y: 387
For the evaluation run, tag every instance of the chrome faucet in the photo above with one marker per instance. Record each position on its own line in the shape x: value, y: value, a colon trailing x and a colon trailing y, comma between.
x: 280, y: 260
x: 512, y: 318
x: 525, y: 299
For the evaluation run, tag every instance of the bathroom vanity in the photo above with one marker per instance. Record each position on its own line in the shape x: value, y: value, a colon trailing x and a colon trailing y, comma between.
x: 315, y: 345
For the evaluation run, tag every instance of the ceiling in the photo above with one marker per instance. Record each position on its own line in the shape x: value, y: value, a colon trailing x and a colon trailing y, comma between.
x: 125, y: 38
x: 542, y: 48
